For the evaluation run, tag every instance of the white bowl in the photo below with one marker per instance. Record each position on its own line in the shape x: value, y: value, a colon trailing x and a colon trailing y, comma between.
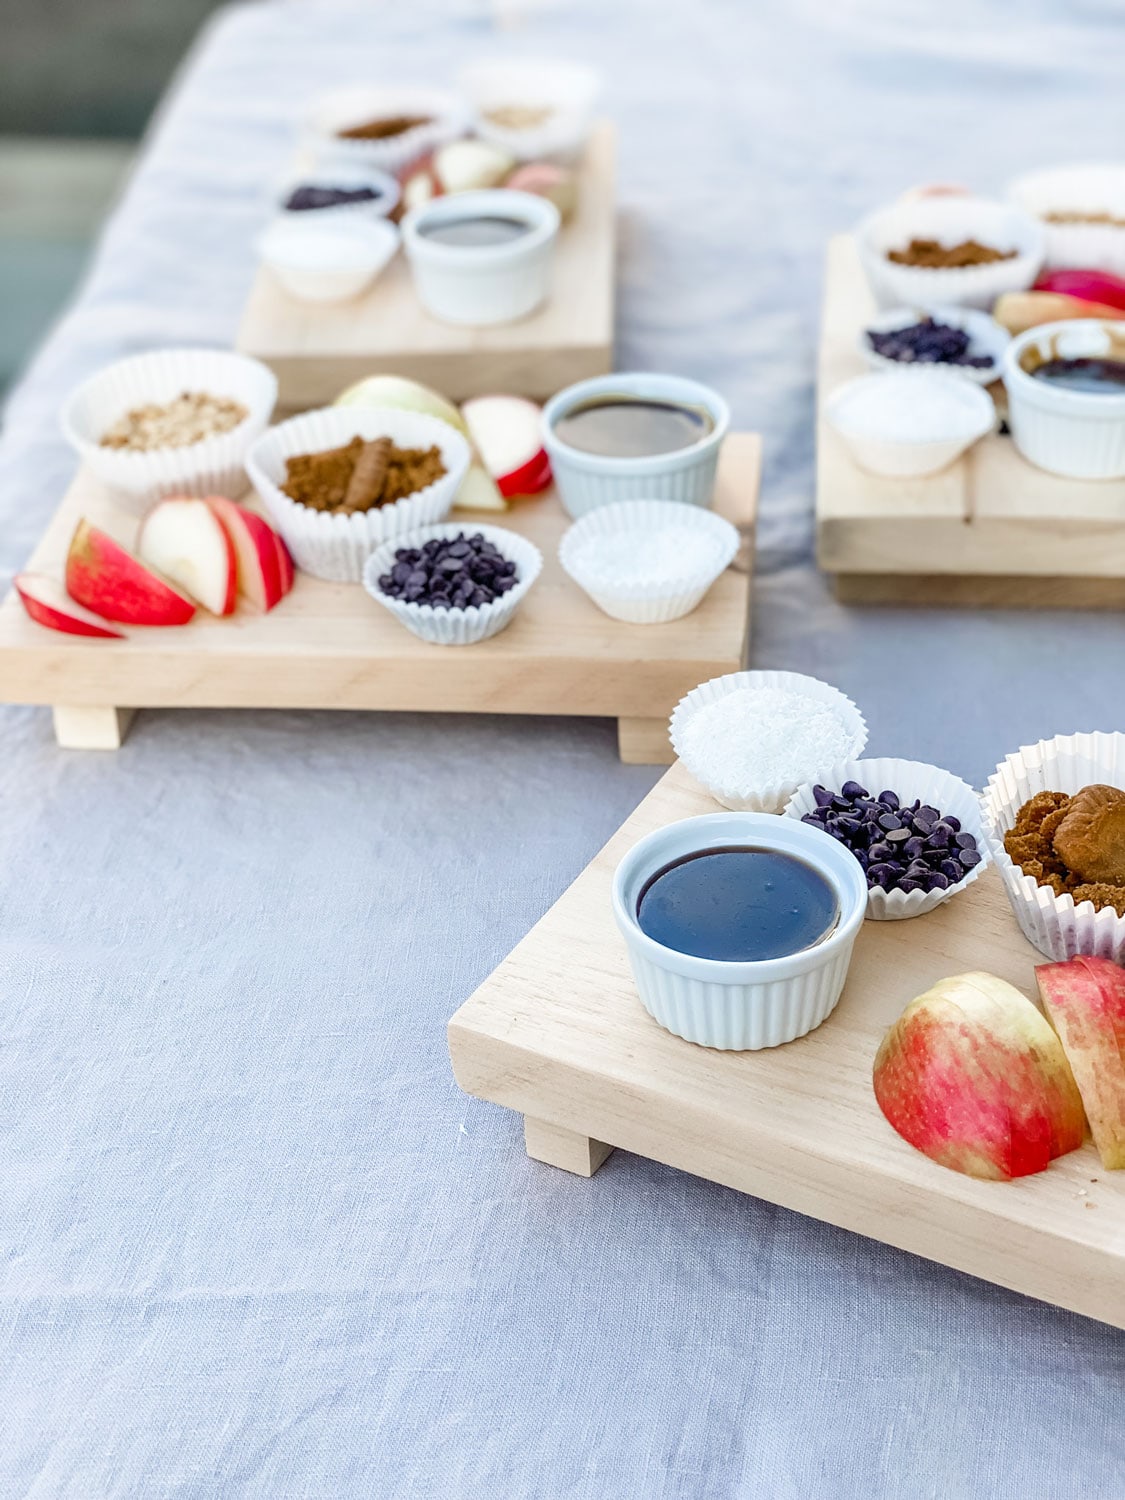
x: 588, y: 480
x: 1094, y: 187
x: 1056, y: 925
x: 478, y: 285
x: 336, y: 547
x: 663, y: 592
x: 986, y: 338
x: 911, y: 779
x: 330, y: 257
x: 746, y: 794
x: 214, y: 466
x: 740, y: 1006
x: 344, y: 108
x: 891, y: 453
x: 343, y: 175
x: 457, y: 627
x: 569, y: 90
x: 1072, y: 433
x: 949, y: 220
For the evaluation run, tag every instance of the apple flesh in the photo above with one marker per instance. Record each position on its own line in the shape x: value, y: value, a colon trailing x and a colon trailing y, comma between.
x: 459, y: 167
x: 108, y: 579
x: 973, y: 1076
x: 48, y: 603
x: 546, y: 180
x: 256, y: 553
x: 185, y: 540
x: 507, y: 432
x: 1085, y: 1003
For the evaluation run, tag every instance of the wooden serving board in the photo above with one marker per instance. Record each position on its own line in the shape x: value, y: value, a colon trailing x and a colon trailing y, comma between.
x: 557, y: 1032
x: 990, y: 530
x: 316, y: 350
x: 329, y: 645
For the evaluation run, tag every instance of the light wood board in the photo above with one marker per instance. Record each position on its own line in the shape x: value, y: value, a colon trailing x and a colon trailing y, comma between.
x: 1001, y: 531
x: 331, y: 646
x: 557, y: 1032
x: 316, y: 350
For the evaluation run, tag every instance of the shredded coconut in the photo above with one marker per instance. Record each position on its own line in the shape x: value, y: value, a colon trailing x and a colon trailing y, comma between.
x: 631, y: 557
x: 760, y: 737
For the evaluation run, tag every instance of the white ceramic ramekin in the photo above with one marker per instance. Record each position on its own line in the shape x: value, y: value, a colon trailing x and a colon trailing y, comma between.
x: 343, y: 108
x: 949, y: 220
x: 1093, y: 188
x: 477, y: 285
x: 740, y: 1007
x: 659, y: 595
x: 343, y: 175
x: 588, y: 480
x: 986, y: 338
x: 336, y: 547
x: 1071, y: 433
x: 746, y: 795
x: 897, y: 457
x: 1055, y: 925
x: 911, y: 780
x: 457, y: 627
x: 213, y: 466
x: 569, y: 90
x: 326, y: 257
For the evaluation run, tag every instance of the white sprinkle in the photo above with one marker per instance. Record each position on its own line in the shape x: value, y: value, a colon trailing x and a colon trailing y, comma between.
x: 646, y: 556
x: 760, y: 737
x: 913, y: 407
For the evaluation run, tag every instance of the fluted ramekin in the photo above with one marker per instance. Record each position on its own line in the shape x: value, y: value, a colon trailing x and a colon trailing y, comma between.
x: 1072, y: 433
x: 740, y: 1007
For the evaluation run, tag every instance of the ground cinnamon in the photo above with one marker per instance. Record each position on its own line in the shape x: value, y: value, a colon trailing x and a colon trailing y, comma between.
x: 322, y: 481
x: 935, y: 256
x: 383, y: 129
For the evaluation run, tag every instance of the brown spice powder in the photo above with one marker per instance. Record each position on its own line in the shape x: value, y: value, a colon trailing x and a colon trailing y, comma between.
x: 321, y: 480
x: 934, y: 256
x: 383, y: 129
x: 1030, y: 844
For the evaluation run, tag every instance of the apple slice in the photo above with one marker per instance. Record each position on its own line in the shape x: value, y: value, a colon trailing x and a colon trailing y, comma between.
x: 256, y: 553
x: 972, y: 1076
x: 1085, y: 1003
x: 48, y: 603
x: 185, y: 539
x: 108, y: 579
x: 286, y: 570
x: 507, y: 432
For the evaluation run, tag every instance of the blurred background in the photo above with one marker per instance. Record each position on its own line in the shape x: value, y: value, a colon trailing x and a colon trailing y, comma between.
x: 78, y: 82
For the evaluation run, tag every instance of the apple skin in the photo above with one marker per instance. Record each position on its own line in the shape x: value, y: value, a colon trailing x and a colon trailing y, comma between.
x: 492, y: 420
x: 973, y: 1077
x: 286, y: 570
x: 47, y: 603
x: 108, y: 579
x: 256, y: 554
x: 1085, y: 1003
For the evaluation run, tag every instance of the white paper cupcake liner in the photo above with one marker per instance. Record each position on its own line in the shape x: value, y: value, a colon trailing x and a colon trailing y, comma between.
x: 336, y: 547
x: 343, y: 108
x: 746, y: 796
x: 569, y: 90
x: 1055, y: 925
x: 1092, y: 188
x: 910, y: 779
x: 654, y: 599
x: 456, y: 627
x: 949, y: 220
x: 214, y: 466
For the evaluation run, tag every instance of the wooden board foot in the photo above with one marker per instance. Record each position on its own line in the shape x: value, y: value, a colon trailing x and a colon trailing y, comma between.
x: 80, y: 727
x: 644, y: 742
x: 563, y: 1148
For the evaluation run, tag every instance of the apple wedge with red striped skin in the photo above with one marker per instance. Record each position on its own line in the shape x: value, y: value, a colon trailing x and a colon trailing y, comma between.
x: 257, y: 556
x: 48, y: 603
x: 286, y: 569
x: 106, y: 578
x: 507, y: 433
x: 973, y: 1077
x: 184, y: 539
x: 1085, y: 1003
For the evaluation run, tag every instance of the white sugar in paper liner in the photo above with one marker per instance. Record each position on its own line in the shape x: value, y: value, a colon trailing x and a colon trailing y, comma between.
x: 747, y: 796
x: 1054, y: 924
x: 336, y: 547
x: 910, y: 779
x: 653, y: 600
x: 213, y: 466
x: 457, y: 627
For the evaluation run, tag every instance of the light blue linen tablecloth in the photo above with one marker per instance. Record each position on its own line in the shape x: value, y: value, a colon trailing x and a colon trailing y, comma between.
x: 253, y: 1240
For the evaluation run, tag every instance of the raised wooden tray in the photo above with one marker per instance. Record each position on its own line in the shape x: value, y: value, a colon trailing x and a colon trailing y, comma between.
x: 990, y: 530
x: 557, y: 1032
x: 329, y: 646
x: 317, y: 350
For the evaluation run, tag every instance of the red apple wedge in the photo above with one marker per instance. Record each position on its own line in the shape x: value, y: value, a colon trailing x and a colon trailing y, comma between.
x: 1085, y: 1003
x: 48, y: 603
x: 186, y: 541
x: 256, y: 553
x: 108, y: 579
x: 974, y: 1077
x: 507, y: 433
x: 284, y: 563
